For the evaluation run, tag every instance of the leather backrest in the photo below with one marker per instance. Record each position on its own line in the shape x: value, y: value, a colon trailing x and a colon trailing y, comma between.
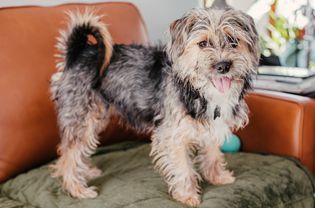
x: 28, y: 130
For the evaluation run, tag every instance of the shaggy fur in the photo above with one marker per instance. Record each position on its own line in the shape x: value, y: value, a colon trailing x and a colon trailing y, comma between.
x: 188, y: 94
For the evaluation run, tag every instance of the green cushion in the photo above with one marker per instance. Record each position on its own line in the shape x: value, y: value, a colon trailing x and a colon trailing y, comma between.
x: 129, y: 181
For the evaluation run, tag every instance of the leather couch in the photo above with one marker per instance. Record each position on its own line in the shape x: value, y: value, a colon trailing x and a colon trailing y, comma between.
x: 280, y: 124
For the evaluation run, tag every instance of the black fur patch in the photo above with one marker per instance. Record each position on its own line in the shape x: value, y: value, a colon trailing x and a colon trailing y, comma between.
x: 134, y: 84
x: 81, y: 53
x: 193, y: 101
x: 247, y: 86
x: 236, y: 109
x: 217, y: 112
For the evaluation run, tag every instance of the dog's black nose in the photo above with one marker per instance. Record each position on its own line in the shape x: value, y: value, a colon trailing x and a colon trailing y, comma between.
x: 223, y: 67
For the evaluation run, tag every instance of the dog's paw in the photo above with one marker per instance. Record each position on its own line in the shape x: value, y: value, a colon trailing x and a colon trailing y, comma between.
x: 192, y: 201
x: 225, y: 177
x: 81, y: 192
x: 55, y: 172
x: 93, y: 173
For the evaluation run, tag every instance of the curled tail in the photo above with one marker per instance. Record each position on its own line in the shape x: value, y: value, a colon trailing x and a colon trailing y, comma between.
x: 86, y: 44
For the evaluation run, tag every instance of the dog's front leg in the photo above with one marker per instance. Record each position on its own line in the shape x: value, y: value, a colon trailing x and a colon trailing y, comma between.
x: 171, y: 156
x: 213, y: 165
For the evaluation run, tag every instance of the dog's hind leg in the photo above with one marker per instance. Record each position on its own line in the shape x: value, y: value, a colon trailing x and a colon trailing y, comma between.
x: 81, y: 111
x: 81, y: 116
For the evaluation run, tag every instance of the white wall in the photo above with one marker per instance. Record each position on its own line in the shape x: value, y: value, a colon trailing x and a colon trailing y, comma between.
x: 240, y: 4
x: 157, y: 14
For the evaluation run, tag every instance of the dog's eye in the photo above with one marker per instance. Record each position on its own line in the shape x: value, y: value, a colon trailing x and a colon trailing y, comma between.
x: 233, y: 41
x: 203, y: 44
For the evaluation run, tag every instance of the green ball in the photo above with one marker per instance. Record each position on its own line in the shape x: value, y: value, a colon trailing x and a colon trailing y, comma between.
x: 231, y: 144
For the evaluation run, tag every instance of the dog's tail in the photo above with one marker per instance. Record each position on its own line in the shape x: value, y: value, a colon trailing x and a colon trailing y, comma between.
x: 86, y: 44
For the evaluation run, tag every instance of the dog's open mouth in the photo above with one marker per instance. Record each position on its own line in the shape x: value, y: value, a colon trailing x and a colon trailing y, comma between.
x: 222, y: 84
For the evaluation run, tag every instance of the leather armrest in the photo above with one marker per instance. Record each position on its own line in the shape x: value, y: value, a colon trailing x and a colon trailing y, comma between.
x: 281, y: 124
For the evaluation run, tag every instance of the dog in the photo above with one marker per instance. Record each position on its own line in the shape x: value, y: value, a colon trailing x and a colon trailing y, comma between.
x: 189, y: 94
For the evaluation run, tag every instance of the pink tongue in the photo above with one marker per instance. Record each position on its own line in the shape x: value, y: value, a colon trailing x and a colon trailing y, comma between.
x: 222, y: 83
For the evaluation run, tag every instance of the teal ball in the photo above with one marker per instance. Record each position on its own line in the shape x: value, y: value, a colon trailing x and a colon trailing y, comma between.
x: 231, y: 144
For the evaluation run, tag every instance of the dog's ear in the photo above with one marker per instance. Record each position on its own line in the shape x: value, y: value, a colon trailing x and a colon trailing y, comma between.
x: 179, y: 31
x: 246, y: 23
x: 250, y: 28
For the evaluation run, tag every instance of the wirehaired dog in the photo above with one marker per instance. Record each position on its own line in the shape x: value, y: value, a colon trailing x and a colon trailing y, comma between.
x: 188, y: 94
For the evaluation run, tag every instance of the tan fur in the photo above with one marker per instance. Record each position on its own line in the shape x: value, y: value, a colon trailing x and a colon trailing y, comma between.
x: 72, y: 169
x: 74, y: 164
x: 212, y: 165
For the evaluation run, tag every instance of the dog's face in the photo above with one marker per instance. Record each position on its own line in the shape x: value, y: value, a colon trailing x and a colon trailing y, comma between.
x: 216, y: 45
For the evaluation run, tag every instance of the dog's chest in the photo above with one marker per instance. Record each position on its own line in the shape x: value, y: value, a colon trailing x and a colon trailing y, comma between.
x: 220, y: 108
x: 220, y: 116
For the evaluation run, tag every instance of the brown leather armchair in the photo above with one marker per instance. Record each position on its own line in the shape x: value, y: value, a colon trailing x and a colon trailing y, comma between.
x: 279, y: 123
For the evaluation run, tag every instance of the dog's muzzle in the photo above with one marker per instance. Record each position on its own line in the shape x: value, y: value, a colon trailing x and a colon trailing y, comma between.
x: 221, y: 82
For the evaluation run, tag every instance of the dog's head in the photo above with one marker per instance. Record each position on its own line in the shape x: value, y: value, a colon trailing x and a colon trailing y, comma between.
x: 216, y: 45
